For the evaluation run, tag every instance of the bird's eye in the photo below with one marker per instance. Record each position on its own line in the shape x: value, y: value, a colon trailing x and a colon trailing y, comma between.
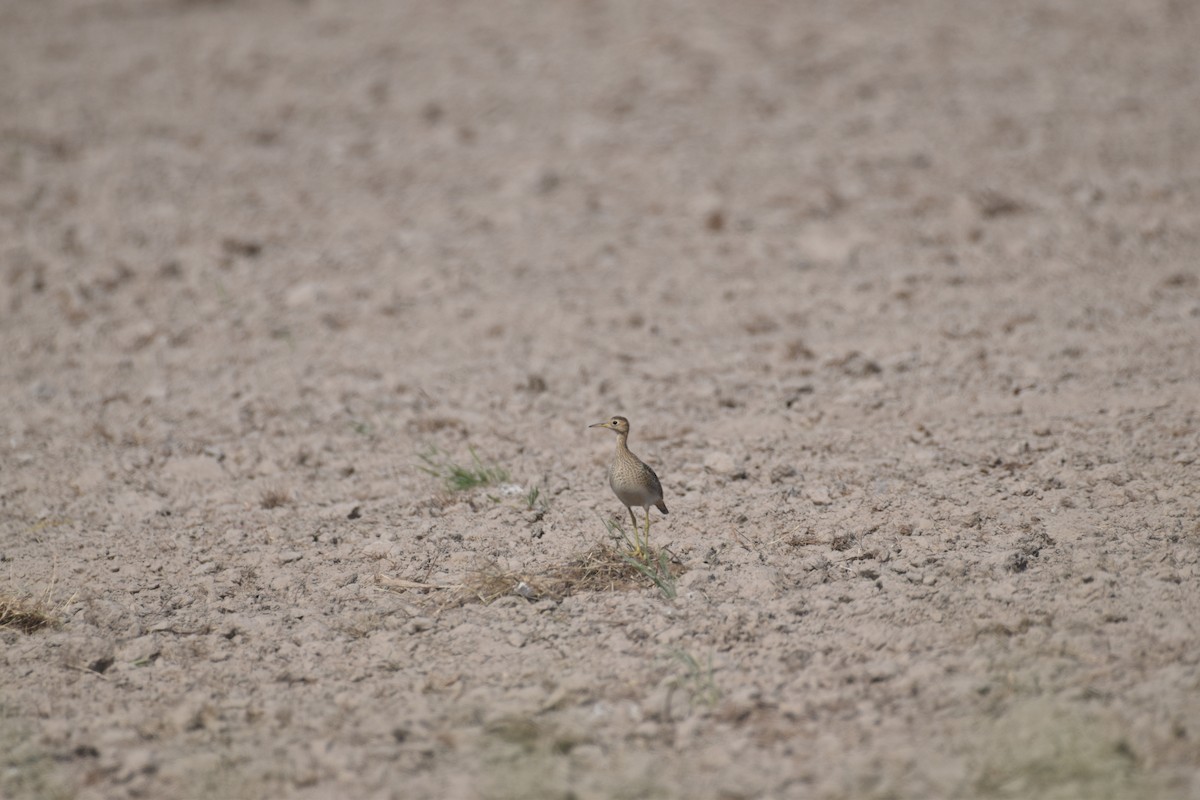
x: 614, y: 422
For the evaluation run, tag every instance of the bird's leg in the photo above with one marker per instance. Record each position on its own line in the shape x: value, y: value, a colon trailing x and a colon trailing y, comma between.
x: 637, y: 546
x: 646, y: 538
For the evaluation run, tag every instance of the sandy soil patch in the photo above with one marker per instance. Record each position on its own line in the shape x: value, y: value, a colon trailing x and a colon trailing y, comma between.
x: 903, y: 302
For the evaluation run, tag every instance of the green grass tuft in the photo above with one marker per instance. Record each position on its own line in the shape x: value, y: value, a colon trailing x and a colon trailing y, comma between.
x: 696, y: 682
x: 459, y: 477
x: 534, y: 499
x: 654, y: 565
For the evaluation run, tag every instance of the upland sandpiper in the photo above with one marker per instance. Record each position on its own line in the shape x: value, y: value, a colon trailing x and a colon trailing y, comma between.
x: 634, y: 483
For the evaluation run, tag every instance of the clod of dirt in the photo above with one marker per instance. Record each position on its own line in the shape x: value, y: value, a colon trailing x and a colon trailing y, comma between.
x: 856, y: 365
x: 992, y: 203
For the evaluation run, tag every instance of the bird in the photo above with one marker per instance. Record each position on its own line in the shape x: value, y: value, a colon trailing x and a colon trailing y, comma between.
x: 633, y: 482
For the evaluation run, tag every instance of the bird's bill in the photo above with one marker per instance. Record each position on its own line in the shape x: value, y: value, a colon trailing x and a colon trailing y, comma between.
x: 599, y: 425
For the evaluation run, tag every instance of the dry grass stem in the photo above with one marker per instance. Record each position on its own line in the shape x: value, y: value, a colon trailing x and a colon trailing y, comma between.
x: 27, y: 614
x: 603, y: 568
x: 274, y: 497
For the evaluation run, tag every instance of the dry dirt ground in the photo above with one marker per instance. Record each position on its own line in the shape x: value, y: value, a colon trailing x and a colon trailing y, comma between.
x: 903, y: 300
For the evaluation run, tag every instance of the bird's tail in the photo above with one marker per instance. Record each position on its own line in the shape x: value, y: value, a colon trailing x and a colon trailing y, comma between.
x: 661, y: 506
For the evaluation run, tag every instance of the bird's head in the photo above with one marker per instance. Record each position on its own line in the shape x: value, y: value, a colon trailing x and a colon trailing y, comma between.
x: 618, y: 424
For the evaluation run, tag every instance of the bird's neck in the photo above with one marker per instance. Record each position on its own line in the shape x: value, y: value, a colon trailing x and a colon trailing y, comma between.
x: 623, y: 442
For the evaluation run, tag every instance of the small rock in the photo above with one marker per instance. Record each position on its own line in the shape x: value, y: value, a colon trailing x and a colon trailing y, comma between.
x: 695, y: 577
x: 378, y: 549
x: 304, y: 294
x: 720, y: 463
x: 288, y: 556
x: 90, y: 478
x: 1019, y: 449
x: 818, y: 495
x: 993, y: 203
x: 267, y: 468
x: 1016, y: 562
x: 243, y: 248
x: 710, y: 209
x: 814, y: 563
x: 139, y: 651
x: 647, y: 730
x: 827, y: 245
x: 197, y: 469
x: 154, y: 393
x: 782, y: 471
x: 138, y: 761
x: 969, y: 520
x: 136, y: 336
x: 843, y: 541
x: 856, y: 365
x: 101, y: 664
x: 1111, y: 473
x: 193, y: 713
x: 418, y: 624
x: 882, y: 671
x: 547, y: 182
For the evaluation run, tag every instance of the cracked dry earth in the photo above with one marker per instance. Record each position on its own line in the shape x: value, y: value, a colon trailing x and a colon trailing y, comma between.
x: 902, y: 300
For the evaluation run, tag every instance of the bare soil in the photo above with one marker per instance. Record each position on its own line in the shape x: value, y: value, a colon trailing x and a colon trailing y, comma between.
x: 902, y: 300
